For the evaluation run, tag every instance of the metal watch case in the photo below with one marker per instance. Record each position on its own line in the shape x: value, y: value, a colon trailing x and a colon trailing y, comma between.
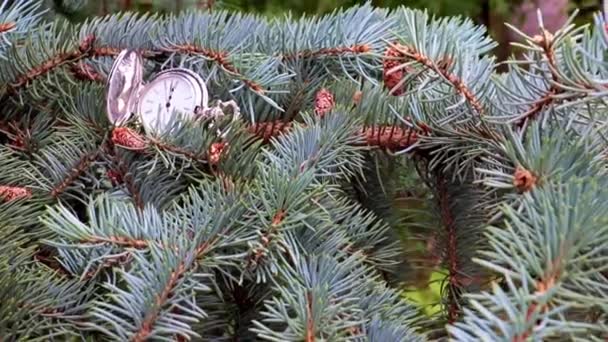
x: 125, y: 86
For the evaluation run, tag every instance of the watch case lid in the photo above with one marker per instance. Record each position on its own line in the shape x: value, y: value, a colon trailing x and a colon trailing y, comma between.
x: 124, y: 81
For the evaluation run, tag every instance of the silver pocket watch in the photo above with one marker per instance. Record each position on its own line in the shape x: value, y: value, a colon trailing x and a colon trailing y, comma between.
x: 154, y: 103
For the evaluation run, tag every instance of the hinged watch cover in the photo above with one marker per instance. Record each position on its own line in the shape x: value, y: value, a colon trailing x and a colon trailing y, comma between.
x: 124, y: 82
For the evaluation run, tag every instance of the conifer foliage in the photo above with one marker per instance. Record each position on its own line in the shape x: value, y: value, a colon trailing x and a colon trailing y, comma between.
x: 285, y: 228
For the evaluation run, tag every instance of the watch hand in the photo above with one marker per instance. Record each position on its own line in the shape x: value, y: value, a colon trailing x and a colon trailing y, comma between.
x: 168, y: 95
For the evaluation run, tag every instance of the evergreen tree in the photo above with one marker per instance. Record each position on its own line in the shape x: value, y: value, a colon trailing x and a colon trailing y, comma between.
x: 287, y: 225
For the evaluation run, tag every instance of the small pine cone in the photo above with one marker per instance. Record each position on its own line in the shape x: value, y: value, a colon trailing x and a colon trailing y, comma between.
x: 11, y: 193
x: 392, y: 79
x: 215, y: 152
x: 4, y: 27
x: 523, y: 179
x: 324, y: 102
x: 129, y: 139
x: 357, y: 96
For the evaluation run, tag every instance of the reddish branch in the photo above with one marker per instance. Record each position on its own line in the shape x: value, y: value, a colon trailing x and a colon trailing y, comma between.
x: 74, y: 174
x: 542, y: 286
x: 122, y: 175
x: 267, y: 238
x: 45, y: 256
x: 161, y: 299
x: 119, y: 241
x: 310, y: 326
x: 130, y: 183
x: 449, y: 225
x: 221, y: 58
x: 84, y: 49
x: 85, y: 72
x: 20, y: 139
x: 109, y: 262
x: 442, y: 69
x: 102, y: 51
x: 546, y: 42
x: 42, y: 311
x: 330, y: 52
x: 177, y: 150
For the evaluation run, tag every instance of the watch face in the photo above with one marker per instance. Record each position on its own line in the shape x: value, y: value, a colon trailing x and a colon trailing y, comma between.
x: 172, y: 91
x: 123, y: 83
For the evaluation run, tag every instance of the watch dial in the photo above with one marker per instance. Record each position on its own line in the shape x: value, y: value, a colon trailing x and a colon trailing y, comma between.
x: 164, y: 96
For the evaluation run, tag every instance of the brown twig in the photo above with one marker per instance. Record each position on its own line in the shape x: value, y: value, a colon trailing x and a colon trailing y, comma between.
x: 73, y: 175
x: 148, y: 323
x: 118, y: 241
x: 85, y: 72
x: 310, y: 326
x: 109, y: 263
x: 84, y: 49
x: 546, y: 283
x: 442, y: 69
x: 449, y: 225
x: 546, y: 42
x: 150, y: 319
x: 330, y: 52
x: 198, y: 157
x: 266, y: 238
x: 221, y: 58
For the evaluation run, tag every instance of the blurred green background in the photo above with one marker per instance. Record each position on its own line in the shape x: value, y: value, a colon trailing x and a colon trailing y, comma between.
x: 478, y: 9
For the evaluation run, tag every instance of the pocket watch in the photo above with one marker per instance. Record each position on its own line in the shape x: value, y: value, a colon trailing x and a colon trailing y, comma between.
x: 153, y: 103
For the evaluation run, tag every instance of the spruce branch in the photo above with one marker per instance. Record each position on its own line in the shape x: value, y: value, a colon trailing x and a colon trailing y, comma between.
x: 38, y: 302
x: 130, y: 183
x: 85, y: 72
x: 83, y: 50
x: 544, y: 269
x: 453, y: 295
x: 219, y: 57
x: 80, y: 167
x: 442, y: 69
x: 546, y: 42
x: 16, y: 20
x: 329, y: 52
x: 391, y: 138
